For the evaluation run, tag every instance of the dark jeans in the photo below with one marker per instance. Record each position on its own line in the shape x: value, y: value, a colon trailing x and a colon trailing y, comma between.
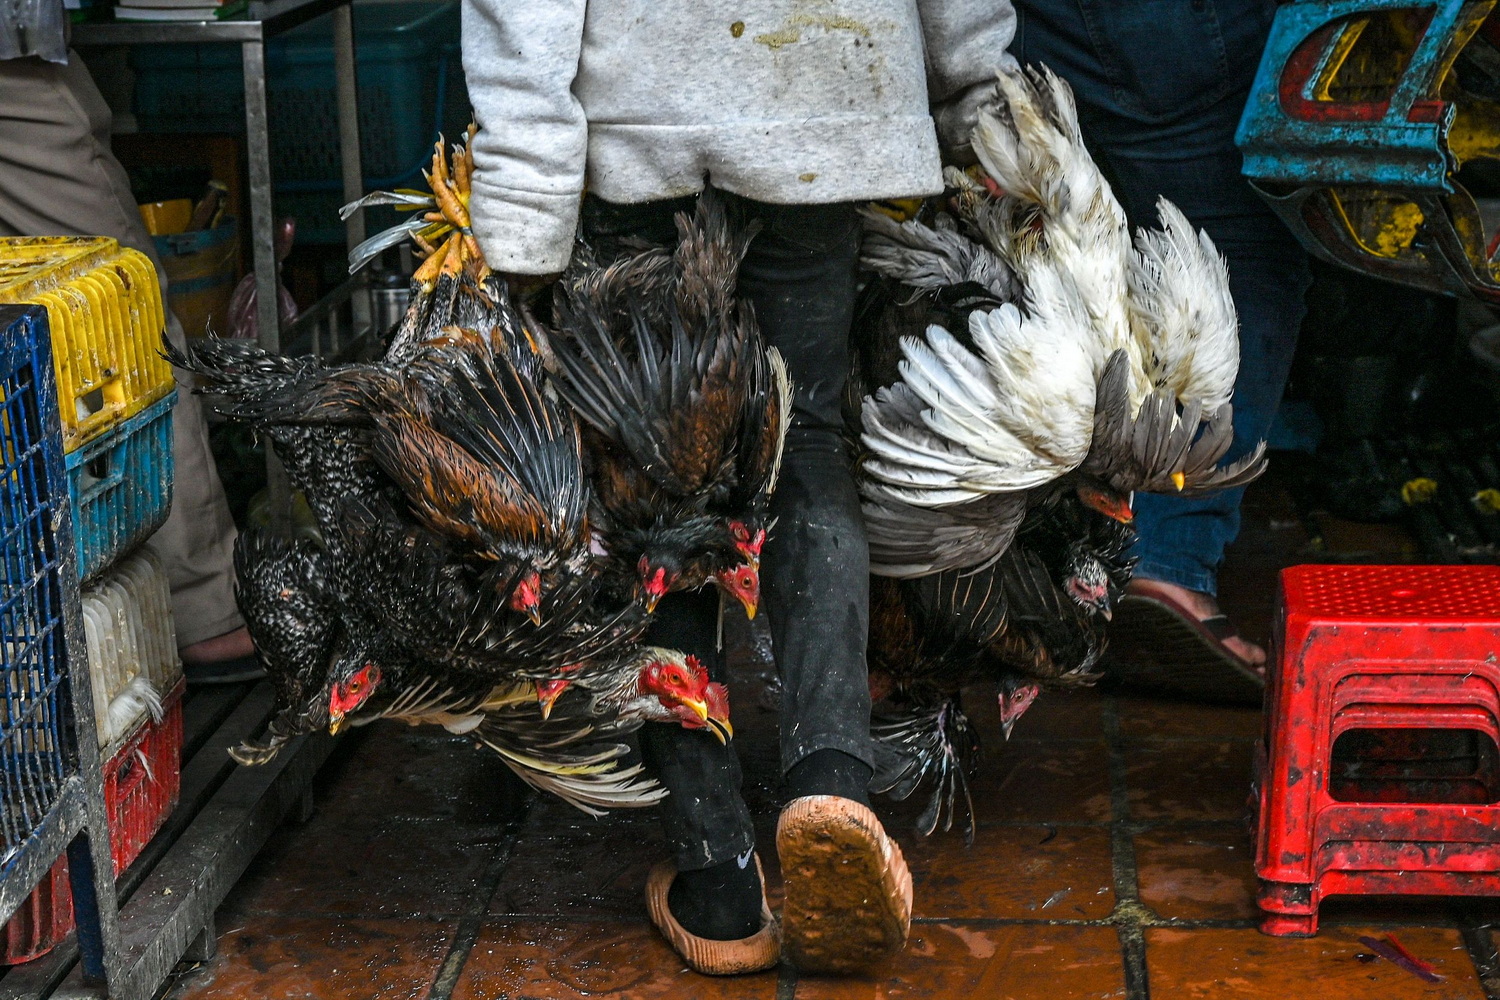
x: 1160, y: 86
x: 799, y: 274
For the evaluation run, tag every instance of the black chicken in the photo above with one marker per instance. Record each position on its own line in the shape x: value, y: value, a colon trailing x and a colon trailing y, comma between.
x: 1032, y: 620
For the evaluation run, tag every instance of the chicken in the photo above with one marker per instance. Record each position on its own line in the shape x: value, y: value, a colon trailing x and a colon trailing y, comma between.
x: 686, y: 408
x: 285, y: 596
x: 454, y: 583
x: 1033, y: 620
x: 1026, y: 367
x: 1134, y: 399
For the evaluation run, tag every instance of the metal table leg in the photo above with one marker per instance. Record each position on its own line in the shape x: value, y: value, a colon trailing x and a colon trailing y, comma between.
x: 349, y: 152
x: 262, y: 222
x: 263, y: 247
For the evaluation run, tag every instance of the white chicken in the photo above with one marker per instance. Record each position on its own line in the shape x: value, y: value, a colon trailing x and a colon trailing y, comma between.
x: 1092, y: 359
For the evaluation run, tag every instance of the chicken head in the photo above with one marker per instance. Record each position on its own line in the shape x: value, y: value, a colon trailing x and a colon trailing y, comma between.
x: 682, y: 686
x: 350, y: 693
x: 743, y: 584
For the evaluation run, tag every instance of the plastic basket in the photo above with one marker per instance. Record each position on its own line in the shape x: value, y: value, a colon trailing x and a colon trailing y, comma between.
x: 410, y: 88
x: 105, y: 310
x: 142, y: 782
x: 37, y: 744
x: 122, y: 487
x: 127, y: 620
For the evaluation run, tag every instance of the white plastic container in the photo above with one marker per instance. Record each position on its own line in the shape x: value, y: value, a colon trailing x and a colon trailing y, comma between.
x: 127, y: 621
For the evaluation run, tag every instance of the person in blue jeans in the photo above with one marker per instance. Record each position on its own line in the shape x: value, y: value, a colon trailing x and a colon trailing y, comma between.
x: 1161, y: 85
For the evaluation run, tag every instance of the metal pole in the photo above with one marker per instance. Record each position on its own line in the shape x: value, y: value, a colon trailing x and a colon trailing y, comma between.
x: 262, y: 222
x: 349, y: 152
x: 263, y: 250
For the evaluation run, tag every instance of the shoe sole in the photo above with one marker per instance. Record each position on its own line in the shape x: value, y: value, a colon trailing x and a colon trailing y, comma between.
x: 1152, y: 649
x: 760, y: 951
x: 848, y: 890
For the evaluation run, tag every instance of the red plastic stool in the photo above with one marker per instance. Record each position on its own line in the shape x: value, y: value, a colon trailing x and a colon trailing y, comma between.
x: 1391, y: 649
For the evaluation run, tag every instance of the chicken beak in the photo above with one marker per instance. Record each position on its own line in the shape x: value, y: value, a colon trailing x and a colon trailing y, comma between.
x: 651, y: 600
x: 535, y: 614
x: 1179, y: 480
x: 1111, y: 505
x: 722, y: 729
x: 547, y: 700
x: 335, y: 722
x: 1006, y: 727
x: 750, y: 607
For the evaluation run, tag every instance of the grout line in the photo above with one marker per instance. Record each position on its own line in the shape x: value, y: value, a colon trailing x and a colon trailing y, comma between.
x: 1129, y: 913
x: 470, y: 924
x: 1482, y: 953
x: 786, y: 982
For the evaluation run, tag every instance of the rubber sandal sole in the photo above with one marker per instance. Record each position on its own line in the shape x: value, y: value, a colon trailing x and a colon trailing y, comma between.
x: 848, y: 890
x: 756, y: 953
x: 1152, y: 648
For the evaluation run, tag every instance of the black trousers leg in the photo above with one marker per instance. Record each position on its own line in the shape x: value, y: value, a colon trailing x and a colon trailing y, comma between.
x: 800, y: 277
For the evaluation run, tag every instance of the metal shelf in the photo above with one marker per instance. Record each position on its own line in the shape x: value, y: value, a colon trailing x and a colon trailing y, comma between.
x: 226, y: 814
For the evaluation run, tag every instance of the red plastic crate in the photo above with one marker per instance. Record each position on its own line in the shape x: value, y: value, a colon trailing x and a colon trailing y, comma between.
x: 1376, y: 670
x: 142, y: 780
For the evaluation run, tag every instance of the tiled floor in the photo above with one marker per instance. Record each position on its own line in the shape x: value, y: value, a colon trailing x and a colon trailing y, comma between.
x: 1112, y: 861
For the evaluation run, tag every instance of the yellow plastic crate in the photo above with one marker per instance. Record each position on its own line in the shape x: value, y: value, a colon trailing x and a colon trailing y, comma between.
x: 104, y: 306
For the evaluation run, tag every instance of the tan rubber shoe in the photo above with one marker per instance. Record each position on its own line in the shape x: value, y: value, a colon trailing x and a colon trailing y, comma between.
x: 756, y: 953
x: 848, y: 890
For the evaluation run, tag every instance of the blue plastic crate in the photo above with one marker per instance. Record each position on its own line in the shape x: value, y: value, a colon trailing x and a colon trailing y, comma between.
x: 38, y: 751
x: 121, y: 484
x: 410, y: 88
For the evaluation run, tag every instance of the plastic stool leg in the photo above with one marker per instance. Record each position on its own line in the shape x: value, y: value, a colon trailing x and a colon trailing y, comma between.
x: 1290, y: 924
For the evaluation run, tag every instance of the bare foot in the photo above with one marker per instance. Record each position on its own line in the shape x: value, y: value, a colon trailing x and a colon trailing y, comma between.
x: 229, y: 646
x: 1205, y: 606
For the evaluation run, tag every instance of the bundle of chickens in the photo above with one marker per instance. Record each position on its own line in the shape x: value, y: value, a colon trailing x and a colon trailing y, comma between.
x: 500, y: 507
x: 1023, y: 368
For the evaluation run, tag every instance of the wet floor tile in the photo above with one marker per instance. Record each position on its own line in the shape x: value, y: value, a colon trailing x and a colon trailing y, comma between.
x: 399, y: 868
x: 1028, y: 781
x: 1198, y: 872
x: 1344, y: 540
x: 395, y: 770
x: 1156, y: 719
x: 558, y: 961
x: 948, y: 961
x: 596, y: 873
x: 279, y: 958
x: 1243, y: 964
x: 1013, y: 872
x: 1188, y: 780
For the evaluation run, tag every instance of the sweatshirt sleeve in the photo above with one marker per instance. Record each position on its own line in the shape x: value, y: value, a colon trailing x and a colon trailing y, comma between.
x: 520, y: 58
x: 966, y: 43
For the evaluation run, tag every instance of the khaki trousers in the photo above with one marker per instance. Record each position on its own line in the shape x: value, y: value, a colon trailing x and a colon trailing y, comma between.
x: 59, y: 178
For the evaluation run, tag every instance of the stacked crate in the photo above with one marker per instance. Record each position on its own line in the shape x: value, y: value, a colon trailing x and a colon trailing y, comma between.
x: 115, y: 394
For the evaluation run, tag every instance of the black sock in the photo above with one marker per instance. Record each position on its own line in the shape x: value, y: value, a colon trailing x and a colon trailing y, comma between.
x: 721, y: 903
x: 830, y: 772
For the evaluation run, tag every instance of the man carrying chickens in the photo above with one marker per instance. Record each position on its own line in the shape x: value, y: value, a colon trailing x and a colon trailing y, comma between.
x: 798, y: 112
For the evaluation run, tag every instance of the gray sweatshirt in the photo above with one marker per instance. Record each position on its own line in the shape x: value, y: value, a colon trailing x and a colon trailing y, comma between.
x: 785, y: 101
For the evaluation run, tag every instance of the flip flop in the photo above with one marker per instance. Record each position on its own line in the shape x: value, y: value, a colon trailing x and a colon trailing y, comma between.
x: 848, y: 890
x: 756, y: 953
x: 1158, y: 646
